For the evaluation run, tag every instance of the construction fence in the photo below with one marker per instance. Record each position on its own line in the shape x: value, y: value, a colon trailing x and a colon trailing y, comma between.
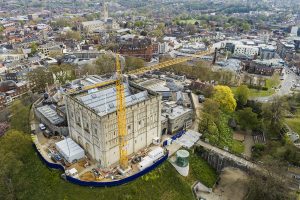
x: 103, y: 184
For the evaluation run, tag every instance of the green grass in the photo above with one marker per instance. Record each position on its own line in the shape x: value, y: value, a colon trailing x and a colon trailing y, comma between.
x: 202, y: 171
x: 294, y: 123
x: 257, y: 93
x: 163, y: 183
x: 237, y: 147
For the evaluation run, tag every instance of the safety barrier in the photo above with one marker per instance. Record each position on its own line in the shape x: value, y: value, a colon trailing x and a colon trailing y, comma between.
x: 118, y: 182
x: 174, y: 137
x: 178, y: 135
x: 103, y: 184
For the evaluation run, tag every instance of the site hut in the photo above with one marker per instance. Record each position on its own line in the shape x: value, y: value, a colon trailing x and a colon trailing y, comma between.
x: 92, y: 120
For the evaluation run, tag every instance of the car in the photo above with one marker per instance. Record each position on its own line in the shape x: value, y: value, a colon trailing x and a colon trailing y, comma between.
x: 57, y: 157
x: 47, y: 133
x: 95, y: 171
x: 42, y: 127
x: 201, y: 98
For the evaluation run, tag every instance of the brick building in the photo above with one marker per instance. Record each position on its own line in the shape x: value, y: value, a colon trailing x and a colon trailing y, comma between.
x: 138, y: 47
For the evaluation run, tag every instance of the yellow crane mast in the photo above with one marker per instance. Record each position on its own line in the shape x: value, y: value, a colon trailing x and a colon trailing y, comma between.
x: 121, y: 115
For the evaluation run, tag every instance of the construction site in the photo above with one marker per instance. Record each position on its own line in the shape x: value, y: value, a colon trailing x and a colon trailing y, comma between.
x: 115, y: 127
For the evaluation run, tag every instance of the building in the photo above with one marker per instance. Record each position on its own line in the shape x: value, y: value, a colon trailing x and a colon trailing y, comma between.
x: 97, y: 25
x: 138, y: 47
x: 264, y: 67
x: 177, y: 116
x: 286, y: 49
x: 92, y: 121
x: 51, y: 48
x: 246, y: 51
x: 51, y: 116
x: 267, y: 52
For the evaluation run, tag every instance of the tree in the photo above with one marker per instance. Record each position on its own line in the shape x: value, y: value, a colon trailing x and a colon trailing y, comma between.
x: 224, y: 96
x: 210, y: 115
x: 242, y: 94
x: 1, y: 29
x: 75, y: 35
x: 105, y: 64
x: 273, y: 81
x: 133, y: 63
x: 273, y: 115
x: 33, y: 47
x: 246, y: 26
x: 14, y: 149
x: 39, y: 78
x: 270, y: 185
x: 63, y: 73
x: 247, y: 119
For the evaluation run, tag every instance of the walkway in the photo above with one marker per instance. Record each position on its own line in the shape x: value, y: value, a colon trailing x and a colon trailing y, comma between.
x: 228, y: 155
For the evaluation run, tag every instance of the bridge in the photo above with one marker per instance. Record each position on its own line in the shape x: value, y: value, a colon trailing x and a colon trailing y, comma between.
x: 219, y: 158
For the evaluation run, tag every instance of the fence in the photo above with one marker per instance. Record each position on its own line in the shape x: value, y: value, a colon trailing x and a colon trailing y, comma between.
x: 103, y: 184
x: 174, y: 137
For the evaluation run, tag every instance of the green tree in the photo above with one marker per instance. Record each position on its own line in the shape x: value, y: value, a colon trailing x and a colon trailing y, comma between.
x: 273, y: 115
x: 33, y: 47
x: 271, y: 185
x: 63, y: 73
x: 247, y: 119
x: 133, y: 63
x: 39, y: 78
x: 14, y: 149
x: 1, y: 29
x: 273, y: 81
x: 75, y: 35
x: 242, y: 94
x: 246, y: 26
x: 224, y: 96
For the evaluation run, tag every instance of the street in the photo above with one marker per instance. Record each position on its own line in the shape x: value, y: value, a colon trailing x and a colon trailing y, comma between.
x: 286, y: 85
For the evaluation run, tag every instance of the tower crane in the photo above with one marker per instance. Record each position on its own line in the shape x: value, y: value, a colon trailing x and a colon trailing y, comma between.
x: 120, y: 96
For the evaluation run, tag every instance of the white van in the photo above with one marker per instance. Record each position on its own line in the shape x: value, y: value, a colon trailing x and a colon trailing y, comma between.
x: 42, y: 127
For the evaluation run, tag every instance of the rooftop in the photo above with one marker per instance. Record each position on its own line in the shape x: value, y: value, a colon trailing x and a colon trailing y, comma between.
x: 50, y: 114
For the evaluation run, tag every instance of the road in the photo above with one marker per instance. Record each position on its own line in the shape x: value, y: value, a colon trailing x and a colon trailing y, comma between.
x: 286, y: 86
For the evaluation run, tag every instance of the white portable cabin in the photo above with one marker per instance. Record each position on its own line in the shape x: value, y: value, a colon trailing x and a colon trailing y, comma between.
x: 146, y: 162
x: 156, y: 153
x: 152, y: 157
x: 70, y: 150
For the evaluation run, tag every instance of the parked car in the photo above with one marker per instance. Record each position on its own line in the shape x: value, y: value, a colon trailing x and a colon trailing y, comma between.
x: 95, y: 171
x: 201, y: 98
x: 47, y: 133
x: 57, y: 157
x: 42, y: 126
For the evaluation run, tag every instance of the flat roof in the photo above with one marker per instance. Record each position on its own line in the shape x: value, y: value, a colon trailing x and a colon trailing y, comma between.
x: 50, y: 114
x: 102, y: 100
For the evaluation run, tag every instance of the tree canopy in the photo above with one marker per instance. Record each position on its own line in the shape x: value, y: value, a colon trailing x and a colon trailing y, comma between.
x: 242, y: 94
x: 224, y: 96
x: 247, y: 119
x: 39, y: 78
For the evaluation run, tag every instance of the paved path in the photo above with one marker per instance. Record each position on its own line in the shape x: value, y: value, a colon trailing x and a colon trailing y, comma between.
x: 197, y: 106
x: 227, y: 155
